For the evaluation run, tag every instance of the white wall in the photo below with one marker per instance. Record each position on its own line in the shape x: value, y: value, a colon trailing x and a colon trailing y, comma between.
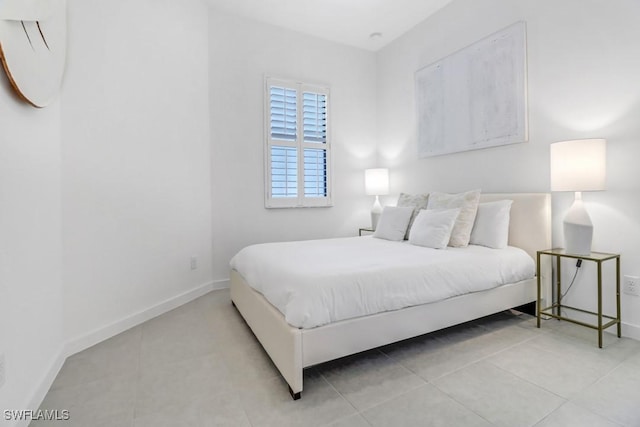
x: 31, y: 331
x: 135, y: 160
x: 241, y: 52
x: 583, y: 63
x: 104, y: 195
x: 156, y: 150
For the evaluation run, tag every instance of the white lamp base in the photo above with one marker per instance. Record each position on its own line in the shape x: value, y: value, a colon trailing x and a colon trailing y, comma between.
x: 376, y: 210
x: 578, y: 228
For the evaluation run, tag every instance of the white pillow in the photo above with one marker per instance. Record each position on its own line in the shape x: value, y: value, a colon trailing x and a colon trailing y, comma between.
x: 468, y: 204
x: 417, y: 201
x: 393, y: 223
x: 492, y: 224
x: 432, y: 228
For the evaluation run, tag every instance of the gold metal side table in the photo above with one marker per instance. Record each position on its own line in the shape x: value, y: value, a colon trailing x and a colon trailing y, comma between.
x: 598, y: 258
x: 366, y: 230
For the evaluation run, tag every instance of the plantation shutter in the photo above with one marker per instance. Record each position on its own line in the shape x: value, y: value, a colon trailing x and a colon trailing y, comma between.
x: 283, y: 122
x: 297, y: 164
x: 314, y: 120
x: 314, y: 117
x: 283, y: 113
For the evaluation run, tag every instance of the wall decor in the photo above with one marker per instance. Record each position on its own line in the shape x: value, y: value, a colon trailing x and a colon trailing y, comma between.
x: 476, y: 97
x: 33, y: 47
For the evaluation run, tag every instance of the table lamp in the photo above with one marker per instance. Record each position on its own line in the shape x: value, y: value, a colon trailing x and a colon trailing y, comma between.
x: 578, y: 165
x: 376, y: 183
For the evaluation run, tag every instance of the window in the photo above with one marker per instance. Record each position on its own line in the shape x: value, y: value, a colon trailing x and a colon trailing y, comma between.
x: 298, y: 150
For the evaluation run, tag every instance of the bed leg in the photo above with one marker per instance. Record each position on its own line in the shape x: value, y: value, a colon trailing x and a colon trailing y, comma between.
x: 295, y: 396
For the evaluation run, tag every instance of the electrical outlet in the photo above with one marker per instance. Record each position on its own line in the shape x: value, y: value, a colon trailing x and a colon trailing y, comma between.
x: 194, y: 262
x: 3, y: 376
x: 632, y: 285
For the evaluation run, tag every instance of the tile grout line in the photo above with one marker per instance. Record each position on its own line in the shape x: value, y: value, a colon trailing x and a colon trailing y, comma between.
x: 594, y: 383
x: 346, y: 400
x: 621, y: 356
x: 360, y: 412
x: 598, y: 414
x: 484, y: 358
x: 470, y: 409
x: 138, y: 378
x: 339, y: 394
x: 406, y: 368
x: 237, y: 394
x: 554, y: 353
x: 459, y: 403
x: 425, y: 382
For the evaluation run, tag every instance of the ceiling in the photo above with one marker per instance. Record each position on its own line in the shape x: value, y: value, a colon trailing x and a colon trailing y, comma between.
x: 350, y: 22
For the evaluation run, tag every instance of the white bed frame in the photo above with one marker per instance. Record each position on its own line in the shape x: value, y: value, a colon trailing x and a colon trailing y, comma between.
x: 292, y: 349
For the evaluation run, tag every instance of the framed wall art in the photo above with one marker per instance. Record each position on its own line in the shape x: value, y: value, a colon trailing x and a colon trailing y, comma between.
x: 476, y: 97
x: 33, y: 47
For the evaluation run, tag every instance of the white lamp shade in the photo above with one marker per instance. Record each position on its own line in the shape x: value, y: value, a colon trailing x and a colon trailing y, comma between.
x: 579, y: 165
x: 376, y: 181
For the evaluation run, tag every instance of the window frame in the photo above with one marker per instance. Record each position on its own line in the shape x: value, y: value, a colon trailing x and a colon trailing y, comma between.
x: 299, y: 201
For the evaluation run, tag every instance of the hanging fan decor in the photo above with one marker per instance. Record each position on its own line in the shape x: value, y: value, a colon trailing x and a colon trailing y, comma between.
x: 33, y: 47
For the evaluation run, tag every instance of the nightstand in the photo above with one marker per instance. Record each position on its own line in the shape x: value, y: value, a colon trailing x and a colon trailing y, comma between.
x: 555, y: 310
x: 366, y: 230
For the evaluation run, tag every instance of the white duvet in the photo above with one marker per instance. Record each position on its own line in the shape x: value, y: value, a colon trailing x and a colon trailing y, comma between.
x: 322, y: 281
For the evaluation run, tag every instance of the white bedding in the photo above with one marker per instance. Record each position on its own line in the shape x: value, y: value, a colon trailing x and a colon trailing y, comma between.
x: 317, y: 282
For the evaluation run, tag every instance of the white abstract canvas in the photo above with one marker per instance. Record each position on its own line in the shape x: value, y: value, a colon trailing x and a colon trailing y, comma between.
x: 474, y: 98
x: 33, y: 47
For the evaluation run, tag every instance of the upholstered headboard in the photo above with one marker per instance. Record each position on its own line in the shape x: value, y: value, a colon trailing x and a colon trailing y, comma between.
x: 530, y: 226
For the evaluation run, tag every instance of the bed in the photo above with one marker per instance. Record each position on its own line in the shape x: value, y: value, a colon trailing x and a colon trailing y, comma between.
x: 294, y: 342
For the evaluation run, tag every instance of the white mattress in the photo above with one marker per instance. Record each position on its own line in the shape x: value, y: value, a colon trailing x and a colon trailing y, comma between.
x: 317, y: 282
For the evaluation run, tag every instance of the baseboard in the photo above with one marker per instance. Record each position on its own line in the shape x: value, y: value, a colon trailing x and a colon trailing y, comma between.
x: 98, y: 335
x: 45, y: 384
x: 76, y: 345
x: 221, y: 284
x: 630, y: 330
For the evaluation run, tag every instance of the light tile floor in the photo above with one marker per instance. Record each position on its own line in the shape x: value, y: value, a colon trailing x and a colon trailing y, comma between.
x: 200, y: 365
